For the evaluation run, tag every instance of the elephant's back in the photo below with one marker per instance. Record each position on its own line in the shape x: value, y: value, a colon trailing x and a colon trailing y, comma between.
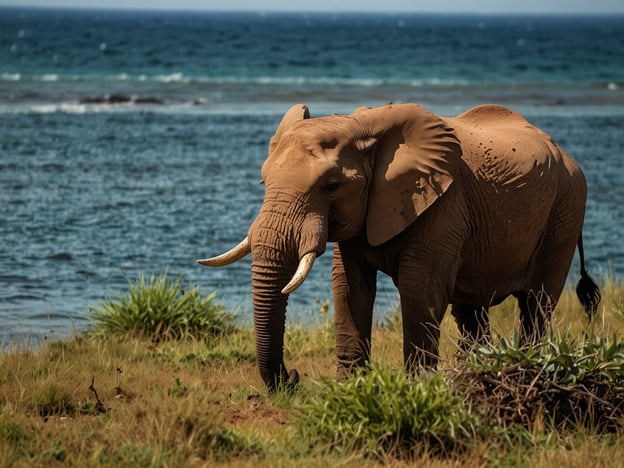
x: 505, y: 151
x: 489, y: 115
x: 518, y: 180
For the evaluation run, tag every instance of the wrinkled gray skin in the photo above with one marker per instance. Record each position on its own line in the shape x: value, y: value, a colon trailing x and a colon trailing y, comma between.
x: 464, y: 211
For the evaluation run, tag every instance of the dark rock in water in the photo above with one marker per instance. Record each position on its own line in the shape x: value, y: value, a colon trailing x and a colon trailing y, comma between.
x: 107, y: 99
x: 120, y: 99
x: 148, y: 100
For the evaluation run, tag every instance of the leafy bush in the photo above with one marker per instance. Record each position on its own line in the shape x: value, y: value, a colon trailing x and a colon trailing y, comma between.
x: 158, y: 308
x: 382, y: 411
x: 559, y: 382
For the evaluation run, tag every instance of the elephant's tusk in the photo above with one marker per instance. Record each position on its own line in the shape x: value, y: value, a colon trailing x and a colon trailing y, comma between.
x: 303, y: 270
x: 231, y: 256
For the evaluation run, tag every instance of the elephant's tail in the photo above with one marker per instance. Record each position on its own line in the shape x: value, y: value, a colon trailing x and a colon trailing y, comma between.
x: 587, y: 290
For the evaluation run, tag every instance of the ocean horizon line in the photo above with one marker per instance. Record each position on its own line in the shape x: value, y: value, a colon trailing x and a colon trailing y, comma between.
x: 263, y: 12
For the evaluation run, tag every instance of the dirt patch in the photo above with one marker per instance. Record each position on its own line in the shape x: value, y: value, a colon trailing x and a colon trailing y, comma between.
x: 256, y: 409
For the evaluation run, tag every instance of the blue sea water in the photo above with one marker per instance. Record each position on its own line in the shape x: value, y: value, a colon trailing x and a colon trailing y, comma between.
x: 132, y: 141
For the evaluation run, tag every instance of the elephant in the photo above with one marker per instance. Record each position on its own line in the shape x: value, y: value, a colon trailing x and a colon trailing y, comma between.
x: 462, y: 211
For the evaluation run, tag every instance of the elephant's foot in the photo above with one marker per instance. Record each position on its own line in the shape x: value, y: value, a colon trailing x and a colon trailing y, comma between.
x: 347, y: 365
x: 293, y: 379
x: 285, y: 382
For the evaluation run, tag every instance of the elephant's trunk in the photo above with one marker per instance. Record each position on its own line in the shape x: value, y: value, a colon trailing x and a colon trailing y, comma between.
x: 281, y: 238
x: 269, y: 306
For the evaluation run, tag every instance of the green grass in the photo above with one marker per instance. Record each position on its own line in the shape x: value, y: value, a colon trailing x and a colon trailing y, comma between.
x: 381, y: 411
x: 158, y: 308
x: 143, y: 388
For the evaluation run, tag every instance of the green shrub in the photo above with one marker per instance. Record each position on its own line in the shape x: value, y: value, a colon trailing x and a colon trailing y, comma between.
x: 383, y: 411
x: 14, y: 436
x: 158, y: 308
x: 561, y: 382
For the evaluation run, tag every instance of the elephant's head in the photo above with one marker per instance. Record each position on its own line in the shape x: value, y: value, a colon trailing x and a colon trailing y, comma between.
x: 371, y: 173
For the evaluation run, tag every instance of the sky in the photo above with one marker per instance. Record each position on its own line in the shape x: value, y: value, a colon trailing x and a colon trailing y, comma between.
x: 438, y: 6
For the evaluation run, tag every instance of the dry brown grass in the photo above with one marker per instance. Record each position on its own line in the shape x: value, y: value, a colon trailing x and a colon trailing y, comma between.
x: 188, y: 403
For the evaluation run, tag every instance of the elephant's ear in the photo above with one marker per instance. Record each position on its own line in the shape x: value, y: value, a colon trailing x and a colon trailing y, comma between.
x: 294, y: 114
x: 416, y: 159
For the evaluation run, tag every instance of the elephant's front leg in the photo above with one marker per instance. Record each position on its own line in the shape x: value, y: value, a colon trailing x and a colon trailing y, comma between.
x: 421, y: 332
x: 354, y: 288
x: 425, y: 283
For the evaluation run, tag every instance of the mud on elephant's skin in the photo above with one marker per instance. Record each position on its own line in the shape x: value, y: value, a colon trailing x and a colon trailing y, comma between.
x: 464, y: 210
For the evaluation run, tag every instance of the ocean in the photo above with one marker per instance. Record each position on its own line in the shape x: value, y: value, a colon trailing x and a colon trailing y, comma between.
x: 131, y: 142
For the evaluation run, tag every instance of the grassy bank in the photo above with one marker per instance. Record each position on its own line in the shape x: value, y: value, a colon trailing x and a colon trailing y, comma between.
x: 164, y: 387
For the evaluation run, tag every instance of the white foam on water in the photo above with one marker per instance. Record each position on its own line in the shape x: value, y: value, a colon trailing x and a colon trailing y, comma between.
x: 11, y: 76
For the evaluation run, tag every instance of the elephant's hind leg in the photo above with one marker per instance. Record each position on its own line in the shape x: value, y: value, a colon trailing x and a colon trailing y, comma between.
x: 550, y: 269
x: 473, y: 323
x: 536, y: 309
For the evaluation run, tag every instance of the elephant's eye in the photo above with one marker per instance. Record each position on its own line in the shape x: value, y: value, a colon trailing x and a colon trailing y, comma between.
x: 332, y: 187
